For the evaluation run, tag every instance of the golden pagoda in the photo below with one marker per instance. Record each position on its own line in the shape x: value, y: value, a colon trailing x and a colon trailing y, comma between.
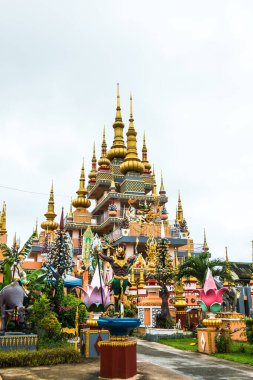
x: 146, y: 164
x: 93, y: 173
x: 49, y: 224
x: 227, y: 281
x: 70, y: 214
x: 81, y: 201
x: 118, y: 149
x: 131, y: 162
x: 162, y: 189
x: 205, y: 245
x: 104, y: 162
x: 154, y: 190
x: 180, y: 215
x: 3, y: 229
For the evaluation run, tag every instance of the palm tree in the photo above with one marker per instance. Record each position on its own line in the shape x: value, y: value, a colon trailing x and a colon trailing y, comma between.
x: 197, y: 266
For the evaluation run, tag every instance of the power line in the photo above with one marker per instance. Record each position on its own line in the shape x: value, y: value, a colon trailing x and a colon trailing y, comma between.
x: 33, y: 192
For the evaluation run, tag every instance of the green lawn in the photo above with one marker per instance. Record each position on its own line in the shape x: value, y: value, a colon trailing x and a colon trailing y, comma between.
x: 241, y: 352
x: 182, y: 344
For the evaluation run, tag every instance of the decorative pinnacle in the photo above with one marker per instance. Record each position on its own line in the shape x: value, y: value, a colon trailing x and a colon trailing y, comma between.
x: 145, y: 162
x: 81, y: 201
x: 162, y: 190
x: 118, y: 149
x: 189, y: 249
x: 50, y: 215
x: 93, y: 172
x: 205, y: 245
x: 131, y: 163
x: 154, y: 191
x: 180, y: 215
x: 227, y: 271
x: 118, y: 109
x: 104, y: 162
x: 3, y: 229
x: 70, y: 215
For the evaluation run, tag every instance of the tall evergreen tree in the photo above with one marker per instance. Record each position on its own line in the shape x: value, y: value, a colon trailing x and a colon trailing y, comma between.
x: 59, y: 262
x: 164, y: 273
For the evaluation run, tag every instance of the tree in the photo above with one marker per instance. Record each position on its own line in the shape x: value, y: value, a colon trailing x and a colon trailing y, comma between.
x: 59, y: 262
x: 164, y: 273
x: 197, y: 266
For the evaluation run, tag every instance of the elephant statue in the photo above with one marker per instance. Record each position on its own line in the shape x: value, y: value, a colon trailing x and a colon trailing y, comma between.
x: 11, y: 299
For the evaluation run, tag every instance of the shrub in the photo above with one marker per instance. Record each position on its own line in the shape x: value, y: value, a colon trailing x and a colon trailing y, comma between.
x: 50, y: 326
x: 130, y: 311
x: 163, y: 322
x: 36, y: 358
x: 249, y: 330
x: 223, y: 341
x: 67, y: 311
x: 40, y: 309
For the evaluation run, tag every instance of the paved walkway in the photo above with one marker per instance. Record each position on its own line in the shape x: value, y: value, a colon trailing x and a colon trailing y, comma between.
x: 191, y: 364
x: 155, y: 362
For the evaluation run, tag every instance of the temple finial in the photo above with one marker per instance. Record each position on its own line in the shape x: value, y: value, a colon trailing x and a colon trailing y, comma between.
x: 131, y: 162
x: 227, y: 276
x: 146, y: 164
x: 118, y: 149
x: 81, y: 201
x: 180, y: 215
x: 162, y: 190
x: 50, y: 215
x: 93, y: 173
x: 154, y: 190
x: 205, y: 245
x: 118, y: 109
x: 104, y: 162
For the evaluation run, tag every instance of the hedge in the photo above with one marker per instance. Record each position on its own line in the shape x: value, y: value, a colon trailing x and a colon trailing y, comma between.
x: 23, y: 358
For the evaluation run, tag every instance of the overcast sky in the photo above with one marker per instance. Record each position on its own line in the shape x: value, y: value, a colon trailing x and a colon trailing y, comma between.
x: 189, y: 65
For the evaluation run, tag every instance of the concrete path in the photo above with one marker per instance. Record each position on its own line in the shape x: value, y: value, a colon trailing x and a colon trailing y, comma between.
x: 191, y: 364
x: 155, y: 362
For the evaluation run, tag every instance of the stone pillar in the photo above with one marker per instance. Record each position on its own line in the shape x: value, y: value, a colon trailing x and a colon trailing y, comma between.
x: 180, y: 305
x: 118, y: 359
x: 206, y: 340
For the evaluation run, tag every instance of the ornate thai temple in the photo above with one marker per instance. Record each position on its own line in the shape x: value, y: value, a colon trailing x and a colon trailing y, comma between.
x: 120, y: 199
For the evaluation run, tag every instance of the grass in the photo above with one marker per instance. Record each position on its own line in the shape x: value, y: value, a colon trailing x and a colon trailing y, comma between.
x: 182, y: 344
x: 242, y: 352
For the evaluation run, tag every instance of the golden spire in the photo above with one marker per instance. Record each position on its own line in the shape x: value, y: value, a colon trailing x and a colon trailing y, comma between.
x: 104, y: 162
x: 189, y: 249
x: 177, y: 221
x: 70, y: 215
x: 145, y: 162
x: 3, y: 220
x: 180, y: 215
x: 131, y: 162
x: 176, y: 260
x: 227, y: 271
x: 49, y: 223
x: 205, y: 245
x: 118, y: 149
x: 162, y: 190
x: 36, y: 230
x: 93, y: 173
x: 154, y: 190
x: 81, y: 201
